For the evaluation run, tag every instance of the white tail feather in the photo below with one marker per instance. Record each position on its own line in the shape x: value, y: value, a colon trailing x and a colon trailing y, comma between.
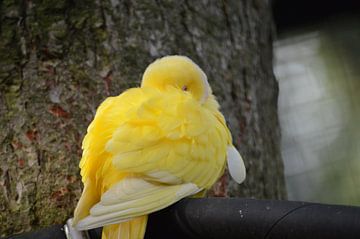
x: 235, y: 165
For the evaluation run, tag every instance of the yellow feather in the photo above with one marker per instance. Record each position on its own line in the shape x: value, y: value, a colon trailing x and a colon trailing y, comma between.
x: 149, y: 147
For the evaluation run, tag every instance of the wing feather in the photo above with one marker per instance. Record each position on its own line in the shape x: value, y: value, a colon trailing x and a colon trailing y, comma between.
x: 133, y: 197
x: 176, y: 145
x: 179, y: 139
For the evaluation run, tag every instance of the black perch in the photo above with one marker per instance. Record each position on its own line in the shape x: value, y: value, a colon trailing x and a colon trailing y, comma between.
x: 241, y: 218
x: 250, y: 218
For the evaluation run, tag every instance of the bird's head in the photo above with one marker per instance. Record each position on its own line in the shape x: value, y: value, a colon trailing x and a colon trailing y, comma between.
x: 179, y: 72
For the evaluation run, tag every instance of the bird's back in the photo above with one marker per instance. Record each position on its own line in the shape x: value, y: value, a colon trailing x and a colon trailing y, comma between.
x: 143, y: 126
x: 164, y: 137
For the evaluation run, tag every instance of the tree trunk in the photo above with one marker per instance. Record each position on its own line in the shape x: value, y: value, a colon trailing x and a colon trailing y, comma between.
x: 60, y: 59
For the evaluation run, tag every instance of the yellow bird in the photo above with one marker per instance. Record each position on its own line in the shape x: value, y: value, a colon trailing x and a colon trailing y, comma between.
x: 151, y: 146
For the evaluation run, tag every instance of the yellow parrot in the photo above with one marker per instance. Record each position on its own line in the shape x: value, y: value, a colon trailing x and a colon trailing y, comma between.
x: 151, y: 146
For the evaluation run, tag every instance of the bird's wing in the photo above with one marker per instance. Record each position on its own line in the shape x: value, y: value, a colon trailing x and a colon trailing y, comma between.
x: 110, y: 114
x: 133, y: 197
x: 96, y: 163
x: 168, y: 140
x: 171, y: 138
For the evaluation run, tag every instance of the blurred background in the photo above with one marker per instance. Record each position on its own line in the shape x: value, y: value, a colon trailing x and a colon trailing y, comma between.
x: 317, y: 64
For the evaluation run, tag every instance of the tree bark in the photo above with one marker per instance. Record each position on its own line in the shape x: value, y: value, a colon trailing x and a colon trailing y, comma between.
x: 60, y: 59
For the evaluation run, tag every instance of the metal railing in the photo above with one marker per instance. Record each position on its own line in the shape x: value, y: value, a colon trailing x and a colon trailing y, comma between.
x: 240, y: 218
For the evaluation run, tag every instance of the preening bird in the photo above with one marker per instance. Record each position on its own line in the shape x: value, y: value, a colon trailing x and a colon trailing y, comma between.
x: 151, y: 146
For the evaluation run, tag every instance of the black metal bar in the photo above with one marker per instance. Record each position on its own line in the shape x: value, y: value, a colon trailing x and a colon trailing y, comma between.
x: 241, y: 218
x: 250, y: 218
x: 53, y: 232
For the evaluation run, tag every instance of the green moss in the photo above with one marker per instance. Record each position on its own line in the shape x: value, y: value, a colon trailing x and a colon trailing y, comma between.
x: 9, y: 44
x: 12, y: 96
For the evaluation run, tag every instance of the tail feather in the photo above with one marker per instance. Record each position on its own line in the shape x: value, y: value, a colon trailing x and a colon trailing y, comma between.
x: 134, y: 229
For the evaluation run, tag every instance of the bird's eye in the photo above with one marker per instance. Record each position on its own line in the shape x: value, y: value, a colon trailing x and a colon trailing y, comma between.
x: 184, y: 88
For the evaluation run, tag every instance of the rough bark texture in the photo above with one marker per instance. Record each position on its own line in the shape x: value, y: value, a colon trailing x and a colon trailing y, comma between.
x: 60, y: 59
